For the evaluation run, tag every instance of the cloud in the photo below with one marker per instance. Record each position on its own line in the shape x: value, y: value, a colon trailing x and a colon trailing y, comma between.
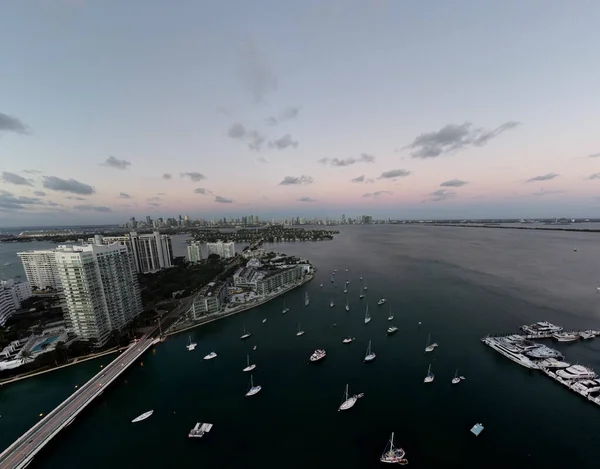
x: 256, y: 73
x: 394, y: 173
x: 453, y: 183
x: 358, y: 179
x: 8, y: 201
x: 543, y: 192
x: 113, y: 162
x: 291, y: 180
x: 440, y: 194
x: 194, y: 176
x: 32, y: 171
x: 167, y: 176
x: 123, y: 195
x: 12, y: 124
x: 13, y: 178
x: 92, y: 208
x: 262, y: 159
x: 154, y: 204
x: 594, y: 155
x: 363, y: 158
x: 222, y: 200
x: 201, y: 190
x: 305, y: 199
x: 71, y: 197
x: 594, y: 176
x: 454, y: 137
x: 53, y: 204
x: 377, y: 193
x: 161, y: 193
x: 283, y: 142
x: 252, y: 138
x: 67, y: 185
x: 153, y: 199
x: 543, y: 177
x: 39, y: 193
x: 288, y: 113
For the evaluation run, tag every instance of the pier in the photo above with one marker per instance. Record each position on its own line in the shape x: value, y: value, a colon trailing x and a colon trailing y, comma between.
x: 21, y: 452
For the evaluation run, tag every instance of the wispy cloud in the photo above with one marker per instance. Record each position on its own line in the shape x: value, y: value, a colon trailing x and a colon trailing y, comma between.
x: 32, y: 171
x: 543, y: 177
x: 194, y: 176
x: 9, y: 201
x: 167, y: 176
x: 283, y: 142
x: 123, y: 195
x: 92, y: 208
x: 203, y: 191
x: 594, y: 176
x: 67, y: 185
x: 113, y: 162
x: 377, y: 193
x: 363, y: 158
x: 292, y: 180
x: 73, y: 197
x: 12, y: 178
x: 394, y: 173
x: 222, y: 200
x: 39, y: 193
x: 360, y: 178
x: 262, y: 159
x: 453, y: 183
x: 257, y: 75
x: 594, y: 155
x: 452, y: 137
x: 153, y: 199
x: 288, y: 113
x: 253, y: 138
x: 12, y: 124
x: 440, y: 194
x: 305, y: 199
x: 542, y: 192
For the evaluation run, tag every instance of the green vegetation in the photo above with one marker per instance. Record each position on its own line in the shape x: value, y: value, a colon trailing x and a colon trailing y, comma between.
x: 271, y: 234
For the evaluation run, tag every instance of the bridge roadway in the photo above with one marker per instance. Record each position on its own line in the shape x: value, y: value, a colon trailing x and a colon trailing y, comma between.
x: 21, y: 452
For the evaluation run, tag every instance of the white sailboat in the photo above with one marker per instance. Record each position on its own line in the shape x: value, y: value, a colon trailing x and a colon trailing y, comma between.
x: 360, y: 278
x: 306, y: 300
x: 300, y: 331
x: 321, y: 285
x: 245, y: 335
x: 381, y: 301
x: 264, y: 320
x: 253, y: 389
x: 393, y: 455
x: 285, y: 308
x: 391, y: 316
x: 429, y: 347
x: 210, y: 356
x: 331, y: 303
x: 391, y: 330
x: 430, y: 376
x: 365, y: 287
x: 349, y: 401
x: 347, y: 340
x: 347, y: 306
x: 190, y: 345
x: 367, y: 317
x: 345, y: 290
x: 456, y: 378
x: 361, y: 296
x: 370, y: 356
x: 249, y: 367
x: 144, y: 416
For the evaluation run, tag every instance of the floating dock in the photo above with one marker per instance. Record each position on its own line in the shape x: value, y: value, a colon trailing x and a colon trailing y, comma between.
x: 477, y: 429
x: 200, y: 429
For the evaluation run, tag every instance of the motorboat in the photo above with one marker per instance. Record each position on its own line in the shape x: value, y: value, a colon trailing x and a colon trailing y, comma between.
x: 430, y: 347
x: 430, y: 376
x: 541, y: 328
x: 576, y: 372
x: 285, y: 308
x: 249, y: 367
x: 210, y: 356
x: 321, y: 285
x: 381, y: 301
x: 553, y: 363
x: 331, y: 303
x: 200, y: 429
x: 144, y: 416
x: 391, y: 330
x: 253, y: 389
x: 370, y: 356
x: 457, y: 379
x: 367, y: 317
x: 510, y: 351
x: 391, y: 316
x: 300, y: 331
x: 6, y: 264
x: 587, y: 335
x: 245, y: 335
x: 347, y: 340
x: 349, y: 401
x: 306, y: 300
x: 345, y: 290
x: 347, y: 307
x: 190, y: 345
x: 361, y: 296
x: 365, y: 287
x: 565, y: 336
x: 393, y: 455
x: 317, y: 355
x: 264, y: 320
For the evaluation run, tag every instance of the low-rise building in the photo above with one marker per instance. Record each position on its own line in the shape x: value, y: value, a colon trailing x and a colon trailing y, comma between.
x: 254, y: 253
x: 278, y: 279
x: 221, y: 249
x: 209, y: 300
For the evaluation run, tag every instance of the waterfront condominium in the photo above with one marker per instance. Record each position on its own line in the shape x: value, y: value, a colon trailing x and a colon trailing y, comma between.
x: 194, y: 254
x: 7, y: 304
x: 223, y: 250
x: 100, y: 289
x: 40, y: 269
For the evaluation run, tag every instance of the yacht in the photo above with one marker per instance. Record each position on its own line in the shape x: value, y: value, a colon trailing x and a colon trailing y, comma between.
x: 391, y: 316
x: 542, y: 352
x: 317, y: 355
x: 586, y: 386
x: 565, y: 337
x: 367, y: 317
x: 553, y: 363
x: 331, y: 303
x: 430, y: 347
x: 347, y: 340
x: 576, y: 372
x: 392, y: 454
x: 456, y: 378
x: 245, y: 335
x: 249, y: 367
x: 300, y: 331
x: 430, y: 376
x: 210, y: 356
x: 349, y: 401
x: 586, y: 335
x: 347, y: 306
x: 541, y: 328
x: 264, y: 320
x: 253, y: 389
x: 509, y: 350
x: 391, y: 330
x: 285, y: 308
x: 306, y: 300
x: 370, y: 356
x: 381, y: 301
x: 144, y: 416
x: 190, y: 345
x: 200, y: 429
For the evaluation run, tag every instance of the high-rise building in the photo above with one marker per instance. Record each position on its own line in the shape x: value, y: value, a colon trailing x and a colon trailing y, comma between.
x: 223, y: 250
x: 40, y: 269
x: 11, y: 295
x: 100, y: 289
x: 194, y: 254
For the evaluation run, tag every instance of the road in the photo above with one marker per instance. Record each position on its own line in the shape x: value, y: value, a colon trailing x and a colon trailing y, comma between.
x: 19, y: 454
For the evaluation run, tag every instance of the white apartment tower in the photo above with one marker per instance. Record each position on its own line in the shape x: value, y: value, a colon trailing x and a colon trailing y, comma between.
x: 194, y: 254
x: 100, y: 289
x: 40, y: 269
x: 223, y: 250
x: 7, y: 304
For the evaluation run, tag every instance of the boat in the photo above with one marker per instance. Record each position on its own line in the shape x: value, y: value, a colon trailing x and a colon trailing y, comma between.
x: 253, y: 389
x: 370, y: 356
x: 430, y: 347
x: 300, y: 331
x: 360, y: 278
x: 391, y: 330
x: 541, y: 328
x: 509, y: 350
x: 365, y: 287
x: 249, y: 367
x: 381, y: 301
x: 565, y: 336
x: 345, y: 290
x: 200, y: 429
x: 576, y: 372
x: 6, y: 264
x: 210, y: 356
x: 331, y: 303
x: 264, y: 320
x: 553, y: 363
x: 190, y: 345
x: 392, y: 454
x: 541, y: 352
x: 457, y: 379
x: 245, y: 335
x: 391, y: 316
x: 347, y: 340
x: 144, y: 416
x: 367, y: 317
x: 332, y: 279
x: 587, y: 335
x: 321, y: 285
x: 430, y: 376
x: 317, y: 355
x: 349, y: 401
x: 285, y: 308
x: 306, y: 300
x: 361, y: 296
x: 347, y: 306
x: 477, y: 429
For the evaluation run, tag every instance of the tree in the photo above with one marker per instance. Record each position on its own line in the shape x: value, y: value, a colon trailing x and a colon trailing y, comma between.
x: 214, y: 258
x: 25, y: 354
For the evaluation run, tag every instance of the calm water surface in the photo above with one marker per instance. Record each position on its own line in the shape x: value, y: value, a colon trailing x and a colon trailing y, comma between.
x: 459, y: 283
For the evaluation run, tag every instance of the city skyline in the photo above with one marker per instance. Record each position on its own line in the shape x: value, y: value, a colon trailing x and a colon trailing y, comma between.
x: 390, y: 109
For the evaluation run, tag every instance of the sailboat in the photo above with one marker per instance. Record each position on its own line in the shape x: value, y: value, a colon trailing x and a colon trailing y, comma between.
x: 370, y: 356
x: 430, y: 377
x: 300, y: 331
x: 393, y: 455
x: 321, y: 285
x: 360, y: 277
x: 245, y: 335
x: 190, y: 345
x: 285, y: 308
x: 144, y: 416
x: 345, y: 290
x: 367, y: 317
x: 347, y: 340
x: 430, y: 347
x: 381, y: 301
x: 264, y: 320
x: 249, y: 367
x: 306, y: 300
x: 391, y: 316
x: 456, y: 378
x: 361, y: 296
x: 347, y: 306
x: 365, y: 287
x: 349, y: 401
x: 331, y: 303
x: 391, y: 330
x: 253, y: 389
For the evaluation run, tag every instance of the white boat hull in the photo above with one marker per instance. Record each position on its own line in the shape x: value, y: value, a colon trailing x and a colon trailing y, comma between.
x: 245, y: 336
x: 299, y: 333
x: 370, y: 357
x: 367, y: 321
x: 210, y: 356
x: 253, y: 391
x: 249, y: 368
x: 348, y: 403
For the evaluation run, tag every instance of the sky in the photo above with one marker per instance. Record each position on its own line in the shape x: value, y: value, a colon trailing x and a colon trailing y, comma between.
x: 225, y: 108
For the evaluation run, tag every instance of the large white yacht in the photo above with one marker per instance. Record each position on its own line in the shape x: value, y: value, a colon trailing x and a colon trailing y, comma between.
x: 565, y: 336
x: 576, y: 372
x: 509, y: 350
x: 317, y: 355
x: 553, y: 363
x: 542, y: 352
x: 541, y: 328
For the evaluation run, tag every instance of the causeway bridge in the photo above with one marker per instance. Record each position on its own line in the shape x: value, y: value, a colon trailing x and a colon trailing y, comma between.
x: 21, y: 452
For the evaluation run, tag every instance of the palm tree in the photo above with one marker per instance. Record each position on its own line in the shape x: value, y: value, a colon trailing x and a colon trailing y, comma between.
x: 25, y: 354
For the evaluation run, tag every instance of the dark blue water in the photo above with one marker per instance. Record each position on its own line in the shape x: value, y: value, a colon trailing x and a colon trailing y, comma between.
x: 460, y: 283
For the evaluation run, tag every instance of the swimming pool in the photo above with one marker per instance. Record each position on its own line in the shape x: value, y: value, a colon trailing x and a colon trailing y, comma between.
x: 47, y: 341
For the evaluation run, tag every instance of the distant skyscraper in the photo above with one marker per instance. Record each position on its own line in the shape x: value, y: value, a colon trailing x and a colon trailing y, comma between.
x: 148, y: 220
x: 40, y: 269
x: 100, y: 289
x: 223, y: 250
x: 194, y: 254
